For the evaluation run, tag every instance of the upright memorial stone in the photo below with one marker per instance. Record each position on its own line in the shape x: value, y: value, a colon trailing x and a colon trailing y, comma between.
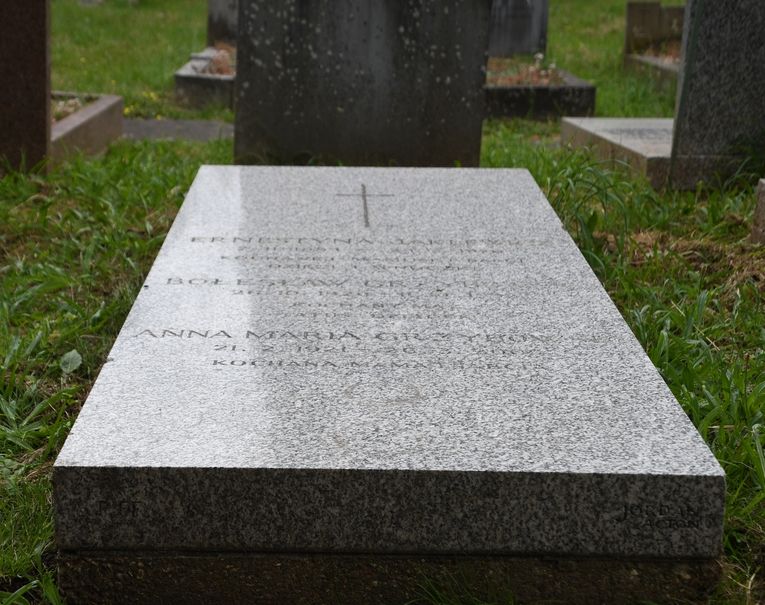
x: 222, y: 18
x: 361, y: 81
x: 720, y: 114
x: 336, y: 381
x: 518, y: 27
x: 25, y: 120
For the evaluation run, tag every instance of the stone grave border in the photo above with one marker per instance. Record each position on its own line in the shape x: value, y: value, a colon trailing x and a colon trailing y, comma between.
x: 89, y: 130
x: 197, y: 89
x: 575, y: 97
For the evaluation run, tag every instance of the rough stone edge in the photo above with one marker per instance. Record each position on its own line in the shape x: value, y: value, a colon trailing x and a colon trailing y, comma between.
x: 655, y: 169
x: 575, y: 96
x: 389, y: 511
x: 275, y: 579
x: 198, y: 90
x: 684, y: 173
x: 89, y: 130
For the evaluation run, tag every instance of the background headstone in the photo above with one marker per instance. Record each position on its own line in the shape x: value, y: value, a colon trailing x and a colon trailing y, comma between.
x: 721, y: 96
x: 25, y: 120
x: 221, y: 21
x: 719, y: 119
x: 651, y: 24
x: 518, y: 27
x: 361, y: 81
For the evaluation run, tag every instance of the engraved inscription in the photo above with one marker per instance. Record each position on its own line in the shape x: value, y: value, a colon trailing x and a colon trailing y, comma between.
x: 346, y: 293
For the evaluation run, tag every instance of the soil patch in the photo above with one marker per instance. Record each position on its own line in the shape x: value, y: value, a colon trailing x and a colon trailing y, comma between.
x: 515, y: 72
x: 668, y: 52
x: 223, y: 62
x: 62, y: 106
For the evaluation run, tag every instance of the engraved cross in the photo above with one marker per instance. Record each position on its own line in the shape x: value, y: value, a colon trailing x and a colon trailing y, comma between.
x: 364, y: 195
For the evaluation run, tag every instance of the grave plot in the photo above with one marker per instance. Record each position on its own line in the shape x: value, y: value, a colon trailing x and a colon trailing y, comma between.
x: 519, y: 85
x: 653, y: 40
x: 719, y: 122
x: 517, y: 27
x: 531, y: 89
x: 336, y: 382
x: 87, y: 123
x: 30, y: 131
x: 361, y: 82
x: 208, y: 77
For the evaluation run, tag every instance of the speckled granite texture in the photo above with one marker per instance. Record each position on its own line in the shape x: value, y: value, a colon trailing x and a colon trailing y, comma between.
x: 720, y: 114
x: 362, y: 81
x: 518, y: 27
x: 381, y: 361
x: 645, y: 144
x: 721, y: 89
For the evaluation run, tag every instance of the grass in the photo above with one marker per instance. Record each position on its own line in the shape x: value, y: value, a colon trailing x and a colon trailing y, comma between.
x: 76, y: 244
x: 115, y: 48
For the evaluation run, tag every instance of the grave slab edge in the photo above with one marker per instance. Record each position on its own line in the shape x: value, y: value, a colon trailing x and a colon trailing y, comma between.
x: 388, y: 511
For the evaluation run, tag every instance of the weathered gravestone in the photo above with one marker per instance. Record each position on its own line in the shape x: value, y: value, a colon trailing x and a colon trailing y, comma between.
x: 221, y: 21
x: 24, y: 83
x: 338, y: 381
x: 518, y: 27
x: 720, y: 114
x: 651, y: 25
x: 361, y: 81
x: 652, y: 39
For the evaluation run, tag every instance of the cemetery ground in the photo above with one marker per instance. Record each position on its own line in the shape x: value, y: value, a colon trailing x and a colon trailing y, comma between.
x: 76, y: 245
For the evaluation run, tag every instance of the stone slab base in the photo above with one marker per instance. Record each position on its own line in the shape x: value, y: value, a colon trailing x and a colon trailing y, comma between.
x: 89, y: 130
x: 574, y: 97
x: 196, y: 89
x: 271, y: 579
x: 645, y: 144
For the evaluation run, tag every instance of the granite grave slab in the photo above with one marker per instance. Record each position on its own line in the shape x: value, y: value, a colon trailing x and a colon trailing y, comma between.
x: 720, y: 111
x: 25, y: 117
x: 645, y: 144
x: 719, y: 119
x: 89, y: 130
x: 343, y: 379
x: 361, y: 81
x: 518, y: 27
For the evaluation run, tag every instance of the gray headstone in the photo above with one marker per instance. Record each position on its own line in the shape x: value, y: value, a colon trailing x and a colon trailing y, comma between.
x: 222, y: 18
x: 25, y: 119
x: 721, y: 94
x: 518, y: 27
x: 361, y: 81
x: 393, y: 362
x: 649, y: 24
